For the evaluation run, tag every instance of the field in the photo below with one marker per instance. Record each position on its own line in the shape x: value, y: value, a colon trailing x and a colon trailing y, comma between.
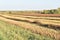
x: 13, y: 32
x: 29, y: 26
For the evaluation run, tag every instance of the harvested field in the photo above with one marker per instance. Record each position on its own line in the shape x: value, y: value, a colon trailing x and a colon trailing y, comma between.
x: 46, y: 26
x: 34, y: 28
x: 55, y: 24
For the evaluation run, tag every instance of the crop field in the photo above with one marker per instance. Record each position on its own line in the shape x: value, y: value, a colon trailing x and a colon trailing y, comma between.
x: 29, y: 26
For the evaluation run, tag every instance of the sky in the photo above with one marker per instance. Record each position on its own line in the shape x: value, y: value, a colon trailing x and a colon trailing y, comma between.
x: 29, y: 4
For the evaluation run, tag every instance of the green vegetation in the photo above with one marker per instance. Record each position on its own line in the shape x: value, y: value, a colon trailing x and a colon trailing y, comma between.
x: 13, y: 32
x: 52, y: 11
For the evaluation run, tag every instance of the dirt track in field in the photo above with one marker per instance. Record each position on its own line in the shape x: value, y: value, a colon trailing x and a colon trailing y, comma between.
x: 34, y: 28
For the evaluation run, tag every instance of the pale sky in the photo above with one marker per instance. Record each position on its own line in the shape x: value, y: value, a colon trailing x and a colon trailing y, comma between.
x: 28, y: 4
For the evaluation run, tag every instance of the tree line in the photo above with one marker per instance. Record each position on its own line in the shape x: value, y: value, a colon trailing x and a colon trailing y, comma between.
x: 52, y: 11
